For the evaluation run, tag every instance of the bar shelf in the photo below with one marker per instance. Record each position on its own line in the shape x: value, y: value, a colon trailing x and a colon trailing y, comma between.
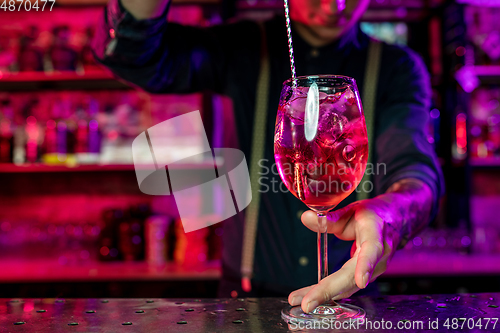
x: 37, y: 271
x: 442, y: 264
x: 104, y: 2
x: 33, y: 81
x: 43, y: 168
x: 56, y: 76
x: 485, y: 162
x: 487, y: 70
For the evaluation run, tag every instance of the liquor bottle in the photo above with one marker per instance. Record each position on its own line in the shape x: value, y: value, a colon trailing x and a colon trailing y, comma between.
x: 71, y: 133
x: 131, y: 233
x: 214, y: 242
x: 81, y: 145
x: 32, y: 136
x: 87, y: 58
x: 19, y: 149
x: 108, y: 242
x: 81, y: 134
x: 156, y: 239
x: 63, y: 56
x: 7, y: 54
x: 30, y: 55
x: 54, y: 145
x: 94, y: 135
x: 6, y: 141
x: 61, y: 139
x: 50, y: 140
x: 191, y: 249
x: 6, y: 132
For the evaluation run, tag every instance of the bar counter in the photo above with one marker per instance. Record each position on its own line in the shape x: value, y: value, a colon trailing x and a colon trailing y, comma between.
x: 462, y: 312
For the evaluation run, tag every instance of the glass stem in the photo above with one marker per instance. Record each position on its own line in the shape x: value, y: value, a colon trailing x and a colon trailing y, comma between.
x: 323, y: 252
x: 322, y: 247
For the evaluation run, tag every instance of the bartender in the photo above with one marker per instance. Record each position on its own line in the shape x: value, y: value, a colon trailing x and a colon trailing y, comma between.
x: 137, y: 43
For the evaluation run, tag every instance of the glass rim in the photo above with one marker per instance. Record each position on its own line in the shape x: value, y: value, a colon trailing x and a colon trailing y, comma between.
x: 320, y: 76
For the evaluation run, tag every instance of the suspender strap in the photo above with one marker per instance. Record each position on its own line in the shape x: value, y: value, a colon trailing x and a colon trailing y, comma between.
x: 257, y: 154
x: 369, y: 99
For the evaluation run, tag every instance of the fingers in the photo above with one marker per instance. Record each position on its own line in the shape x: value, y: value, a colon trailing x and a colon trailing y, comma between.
x: 336, y: 286
x: 384, y: 261
x: 370, y: 253
x: 354, y: 249
x: 310, y: 220
x: 368, y: 257
x: 340, y: 284
x: 370, y: 243
x: 295, y: 298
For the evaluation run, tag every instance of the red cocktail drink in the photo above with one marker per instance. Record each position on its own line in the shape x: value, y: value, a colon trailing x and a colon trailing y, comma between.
x: 323, y: 171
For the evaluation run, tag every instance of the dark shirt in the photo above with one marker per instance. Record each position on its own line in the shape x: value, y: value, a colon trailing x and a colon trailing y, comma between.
x: 161, y: 57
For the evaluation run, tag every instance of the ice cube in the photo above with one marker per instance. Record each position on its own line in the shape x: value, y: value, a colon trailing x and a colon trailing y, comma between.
x: 350, y: 106
x: 296, y: 110
x: 356, y: 129
x: 349, y: 96
x: 332, y: 98
x: 339, y: 101
x: 338, y: 125
x: 327, y: 102
x: 349, y: 153
x: 297, y: 121
x: 300, y: 92
x: 326, y: 139
x: 304, y: 91
x: 322, y: 96
x: 331, y: 127
x: 298, y: 102
x: 339, y: 105
x: 319, y: 155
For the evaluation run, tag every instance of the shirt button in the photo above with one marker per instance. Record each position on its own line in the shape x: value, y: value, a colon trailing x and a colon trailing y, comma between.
x: 314, y: 53
x: 303, y: 261
x: 299, y: 214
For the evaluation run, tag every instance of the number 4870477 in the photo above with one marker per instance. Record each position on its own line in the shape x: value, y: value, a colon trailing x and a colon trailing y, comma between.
x: 27, y: 5
x: 470, y: 323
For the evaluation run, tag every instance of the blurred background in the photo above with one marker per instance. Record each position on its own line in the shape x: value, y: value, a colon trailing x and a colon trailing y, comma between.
x: 73, y: 222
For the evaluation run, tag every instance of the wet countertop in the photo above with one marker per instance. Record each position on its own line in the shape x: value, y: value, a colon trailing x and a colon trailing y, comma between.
x: 419, y: 313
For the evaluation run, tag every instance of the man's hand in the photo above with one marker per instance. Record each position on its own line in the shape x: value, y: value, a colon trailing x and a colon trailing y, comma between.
x: 378, y: 227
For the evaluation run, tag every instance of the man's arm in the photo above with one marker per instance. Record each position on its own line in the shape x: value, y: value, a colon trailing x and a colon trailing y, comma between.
x: 162, y: 57
x: 401, y: 149
x: 414, y: 201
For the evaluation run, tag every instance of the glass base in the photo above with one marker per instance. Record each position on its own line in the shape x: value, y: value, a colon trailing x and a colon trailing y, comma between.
x: 330, y: 312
